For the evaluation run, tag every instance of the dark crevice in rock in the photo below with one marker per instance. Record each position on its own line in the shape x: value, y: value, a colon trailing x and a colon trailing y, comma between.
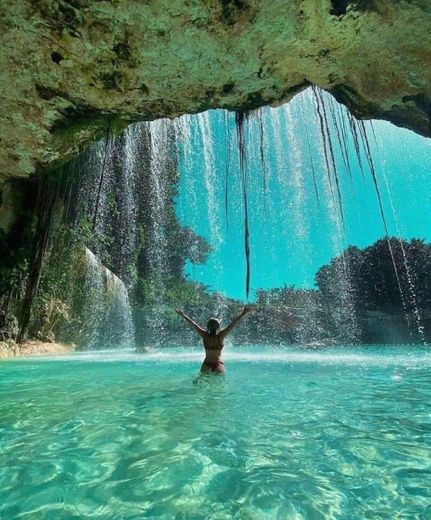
x: 422, y: 103
x: 209, y: 95
x: 292, y: 91
x: 339, y: 7
x: 62, y: 14
x: 254, y: 100
x: 231, y: 10
x: 228, y: 87
x: 47, y: 93
x: 112, y: 81
x: 123, y: 51
x: 76, y: 116
x: 261, y: 73
x: 348, y: 97
x: 56, y: 57
x: 144, y: 89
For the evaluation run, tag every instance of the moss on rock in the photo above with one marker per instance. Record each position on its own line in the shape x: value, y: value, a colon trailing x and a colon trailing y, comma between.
x: 67, y: 67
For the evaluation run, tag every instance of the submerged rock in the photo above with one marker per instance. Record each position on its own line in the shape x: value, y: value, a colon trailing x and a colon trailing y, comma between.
x: 70, y: 69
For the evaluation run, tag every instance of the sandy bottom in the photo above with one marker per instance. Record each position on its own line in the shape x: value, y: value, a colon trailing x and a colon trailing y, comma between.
x: 33, y: 348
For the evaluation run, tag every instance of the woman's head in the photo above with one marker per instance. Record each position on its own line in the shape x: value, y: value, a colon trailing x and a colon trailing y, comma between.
x: 213, y: 325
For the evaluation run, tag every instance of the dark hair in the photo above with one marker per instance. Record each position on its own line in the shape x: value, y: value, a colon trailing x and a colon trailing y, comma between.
x: 213, y: 325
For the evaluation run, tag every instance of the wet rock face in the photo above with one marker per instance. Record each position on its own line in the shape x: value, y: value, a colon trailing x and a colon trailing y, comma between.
x: 69, y: 67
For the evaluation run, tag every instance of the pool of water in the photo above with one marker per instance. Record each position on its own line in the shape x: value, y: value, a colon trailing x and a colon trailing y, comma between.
x: 287, y: 434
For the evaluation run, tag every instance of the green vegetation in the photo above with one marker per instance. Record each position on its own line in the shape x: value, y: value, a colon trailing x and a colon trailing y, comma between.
x: 381, y: 293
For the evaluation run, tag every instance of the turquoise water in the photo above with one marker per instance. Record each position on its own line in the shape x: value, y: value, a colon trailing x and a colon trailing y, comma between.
x: 286, y: 434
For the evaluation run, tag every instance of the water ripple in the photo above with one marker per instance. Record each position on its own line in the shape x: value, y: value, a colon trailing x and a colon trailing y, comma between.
x: 285, y: 434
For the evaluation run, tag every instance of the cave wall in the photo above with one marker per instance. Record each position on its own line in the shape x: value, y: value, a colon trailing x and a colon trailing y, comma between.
x: 70, y: 68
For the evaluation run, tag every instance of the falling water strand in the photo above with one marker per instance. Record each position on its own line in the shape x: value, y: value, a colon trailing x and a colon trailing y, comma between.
x: 296, y: 168
x: 323, y: 112
x: 313, y: 170
x: 159, y: 167
x: 372, y: 169
x: 239, y: 121
x: 93, y: 290
x: 228, y: 157
x: 260, y: 120
x: 344, y: 314
x: 120, y: 323
x: 416, y: 312
x: 310, y: 154
x: 128, y: 200
x: 342, y: 117
x: 341, y: 141
x: 354, y: 133
x: 410, y: 283
x: 214, y: 192
x: 102, y: 174
x: 186, y: 155
x: 373, y: 131
x: 325, y: 150
x: 281, y: 169
x: 366, y: 146
x: 210, y: 176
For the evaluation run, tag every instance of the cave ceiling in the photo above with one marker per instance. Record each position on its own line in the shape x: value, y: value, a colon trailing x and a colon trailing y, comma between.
x: 68, y: 68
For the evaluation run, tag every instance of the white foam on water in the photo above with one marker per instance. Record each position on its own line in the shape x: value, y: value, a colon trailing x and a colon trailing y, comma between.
x: 324, y: 357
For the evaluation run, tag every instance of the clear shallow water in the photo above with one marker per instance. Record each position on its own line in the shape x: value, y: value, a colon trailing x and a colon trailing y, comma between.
x: 286, y: 434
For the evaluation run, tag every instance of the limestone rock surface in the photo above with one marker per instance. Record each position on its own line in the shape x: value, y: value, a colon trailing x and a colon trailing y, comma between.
x: 69, y: 69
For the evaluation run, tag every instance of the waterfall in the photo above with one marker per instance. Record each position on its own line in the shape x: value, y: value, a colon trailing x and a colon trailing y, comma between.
x: 97, y: 182
x: 107, y: 311
x: 127, y: 181
x: 343, y: 314
x: 93, y: 310
x: 160, y: 163
x: 186, y: 157
x: 159, y: 184
x: 118, y: 322
x: 417, y: 315
x: 126, y: 188
x: 210, y: 176
x: 197, y: 148
x: 306, y: 168
x: 107, y: 198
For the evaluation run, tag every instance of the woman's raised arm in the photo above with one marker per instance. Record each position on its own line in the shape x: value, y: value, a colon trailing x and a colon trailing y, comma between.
x: 197, y: 327
x: 224, y: 332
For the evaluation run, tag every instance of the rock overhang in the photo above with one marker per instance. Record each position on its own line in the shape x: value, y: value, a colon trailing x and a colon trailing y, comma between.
x: 70, y: 67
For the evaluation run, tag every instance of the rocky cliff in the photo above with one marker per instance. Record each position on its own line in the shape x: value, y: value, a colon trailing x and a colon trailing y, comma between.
x: 69, y: 69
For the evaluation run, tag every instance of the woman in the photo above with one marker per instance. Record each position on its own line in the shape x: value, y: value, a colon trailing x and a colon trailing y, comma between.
x: 213, y: 339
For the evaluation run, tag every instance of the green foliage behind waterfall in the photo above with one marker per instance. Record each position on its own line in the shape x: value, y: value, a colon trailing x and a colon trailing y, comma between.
x: 381, y: 293
x: 390, y: 288
x: 60, y: 308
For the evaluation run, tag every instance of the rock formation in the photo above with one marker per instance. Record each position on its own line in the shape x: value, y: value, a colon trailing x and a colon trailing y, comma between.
x: 72, y: 68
